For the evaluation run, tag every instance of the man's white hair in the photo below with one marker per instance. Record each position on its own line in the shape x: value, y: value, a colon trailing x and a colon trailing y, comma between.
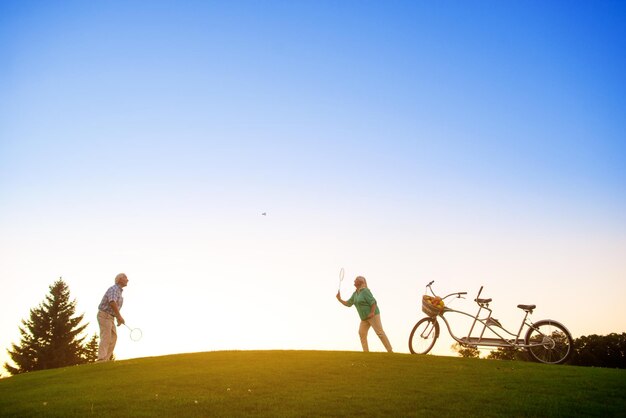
x: 120, y: 277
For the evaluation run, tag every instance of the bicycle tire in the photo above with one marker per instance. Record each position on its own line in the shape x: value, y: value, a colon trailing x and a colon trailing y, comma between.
x: 557, y: 342
x: 426, y: 332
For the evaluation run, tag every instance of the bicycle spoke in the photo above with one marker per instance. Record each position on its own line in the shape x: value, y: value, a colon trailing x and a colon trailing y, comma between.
x: 550, y: 342
x: 423, y: 336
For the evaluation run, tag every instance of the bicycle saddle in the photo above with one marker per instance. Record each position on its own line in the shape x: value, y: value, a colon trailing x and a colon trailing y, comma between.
x: 527, y: 307
x: 483, y: 300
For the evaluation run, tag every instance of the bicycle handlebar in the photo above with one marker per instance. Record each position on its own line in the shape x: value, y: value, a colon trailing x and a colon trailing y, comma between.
x: 458, y: 295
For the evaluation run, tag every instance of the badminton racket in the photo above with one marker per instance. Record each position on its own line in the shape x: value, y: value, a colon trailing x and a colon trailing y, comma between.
x: 341, y: 274
x: 135, y: 333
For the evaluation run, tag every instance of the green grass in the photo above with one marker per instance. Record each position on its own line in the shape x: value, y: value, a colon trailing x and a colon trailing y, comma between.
x: 314, y: 383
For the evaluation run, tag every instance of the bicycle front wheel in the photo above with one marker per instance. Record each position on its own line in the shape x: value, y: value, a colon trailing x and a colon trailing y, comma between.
x: 550, y: 342
x: 424, y: 335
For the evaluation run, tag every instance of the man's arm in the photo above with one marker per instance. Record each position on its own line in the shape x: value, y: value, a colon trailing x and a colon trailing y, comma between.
x: 118, y: 315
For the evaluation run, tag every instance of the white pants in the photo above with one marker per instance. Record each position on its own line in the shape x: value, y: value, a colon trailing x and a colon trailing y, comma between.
x: 108, y: 336
x: 375, y: 323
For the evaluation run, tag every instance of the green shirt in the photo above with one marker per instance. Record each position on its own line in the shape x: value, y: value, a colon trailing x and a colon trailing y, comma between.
x: 363, y: 300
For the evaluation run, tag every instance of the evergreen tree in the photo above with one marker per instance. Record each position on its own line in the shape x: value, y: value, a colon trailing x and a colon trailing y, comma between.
x: 90, y: 353
x: 51, y: 337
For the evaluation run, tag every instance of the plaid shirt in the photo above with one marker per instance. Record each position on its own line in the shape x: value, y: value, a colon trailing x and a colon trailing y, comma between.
x: 114, y: 293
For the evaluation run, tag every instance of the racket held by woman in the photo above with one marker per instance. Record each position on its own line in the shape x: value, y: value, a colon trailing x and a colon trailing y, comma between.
x: 341, y: 274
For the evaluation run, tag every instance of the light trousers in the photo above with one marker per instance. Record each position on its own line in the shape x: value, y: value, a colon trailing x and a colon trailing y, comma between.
x: 375, y: 323
x: 108, y: 336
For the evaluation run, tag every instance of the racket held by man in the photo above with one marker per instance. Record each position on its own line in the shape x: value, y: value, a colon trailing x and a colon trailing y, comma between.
x: 135, y: 333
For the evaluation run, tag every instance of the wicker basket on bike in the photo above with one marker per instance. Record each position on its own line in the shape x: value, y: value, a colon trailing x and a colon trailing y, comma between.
x: 432, y: 305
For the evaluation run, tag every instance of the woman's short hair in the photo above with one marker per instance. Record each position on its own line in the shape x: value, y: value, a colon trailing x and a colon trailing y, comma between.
x: 119, y: 277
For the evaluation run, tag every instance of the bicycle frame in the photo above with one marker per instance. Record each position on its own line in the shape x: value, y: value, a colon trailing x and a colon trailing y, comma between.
x: 501, y: 341
x: 488, y: 323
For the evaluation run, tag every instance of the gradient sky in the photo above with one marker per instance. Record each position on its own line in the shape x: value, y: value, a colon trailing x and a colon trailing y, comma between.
x: 471, y: 143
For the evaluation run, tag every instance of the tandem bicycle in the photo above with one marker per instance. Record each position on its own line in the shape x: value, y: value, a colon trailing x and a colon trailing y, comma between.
x: 546, y: 341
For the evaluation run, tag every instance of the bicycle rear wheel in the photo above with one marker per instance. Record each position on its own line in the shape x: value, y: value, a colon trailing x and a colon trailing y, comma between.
x: 553, y: 342
x: 424, y: 335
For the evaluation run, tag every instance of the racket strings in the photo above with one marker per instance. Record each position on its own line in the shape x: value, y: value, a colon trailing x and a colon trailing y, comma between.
x: 341, y: 274
x: 136, y: 334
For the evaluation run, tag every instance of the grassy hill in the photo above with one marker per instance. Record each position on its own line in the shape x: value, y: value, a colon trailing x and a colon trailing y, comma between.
x: 314, y: 383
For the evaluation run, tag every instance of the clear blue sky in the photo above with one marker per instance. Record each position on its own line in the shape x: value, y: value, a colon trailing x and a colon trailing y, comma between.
x: 468, y: 142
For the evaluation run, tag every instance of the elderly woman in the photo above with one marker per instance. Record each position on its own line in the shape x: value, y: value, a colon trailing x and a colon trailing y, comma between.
x: 368, y: 311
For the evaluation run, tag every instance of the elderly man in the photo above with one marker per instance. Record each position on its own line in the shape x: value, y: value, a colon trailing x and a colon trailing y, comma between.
x: 108, y: 311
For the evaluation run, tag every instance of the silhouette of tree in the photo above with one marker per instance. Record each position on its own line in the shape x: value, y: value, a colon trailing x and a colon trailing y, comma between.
x: 600, y: 350
x: 51, y: 337
x: 466, y: 351
x: 90, y: 351
x: 507, y: 353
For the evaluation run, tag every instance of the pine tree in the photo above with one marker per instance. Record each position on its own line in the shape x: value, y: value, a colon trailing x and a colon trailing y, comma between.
x: 90, y: 353
x: 52, y: 336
